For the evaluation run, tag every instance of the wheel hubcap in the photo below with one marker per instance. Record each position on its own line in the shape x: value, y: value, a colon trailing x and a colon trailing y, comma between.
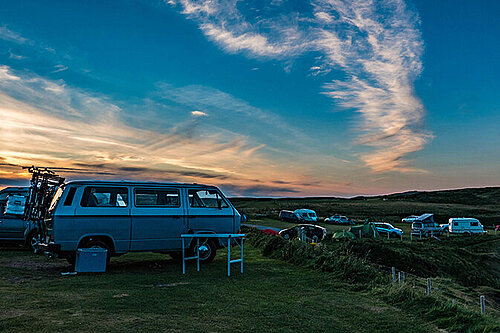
x: 35, y: 240
x: 204, y: 251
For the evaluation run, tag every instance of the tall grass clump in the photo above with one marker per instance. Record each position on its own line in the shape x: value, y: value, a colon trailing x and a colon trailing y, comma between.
x: 340, y: 262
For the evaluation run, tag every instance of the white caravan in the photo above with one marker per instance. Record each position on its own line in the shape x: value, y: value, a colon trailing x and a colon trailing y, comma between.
x: 465, y: 225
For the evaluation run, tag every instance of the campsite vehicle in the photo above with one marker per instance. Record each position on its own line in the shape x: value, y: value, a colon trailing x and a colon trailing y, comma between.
x: 409, y: 219
x: 270, y: 232
x: 306, y: 215
x: 13, y: 228
x: 465, y: 225
x: 388, y: 229
x: 425, y: 225
x: 289, y: 216
x: 136, y: 217
x: 338, y: 219
x: 314, y: 232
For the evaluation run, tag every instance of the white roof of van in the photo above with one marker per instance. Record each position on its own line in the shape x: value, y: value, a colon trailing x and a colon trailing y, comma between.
x: 303, y: 210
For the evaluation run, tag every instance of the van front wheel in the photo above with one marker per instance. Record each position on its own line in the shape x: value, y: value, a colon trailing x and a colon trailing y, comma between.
x: 207, y: 250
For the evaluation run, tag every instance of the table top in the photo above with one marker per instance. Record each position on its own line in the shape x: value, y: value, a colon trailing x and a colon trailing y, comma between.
x: 212, y: 235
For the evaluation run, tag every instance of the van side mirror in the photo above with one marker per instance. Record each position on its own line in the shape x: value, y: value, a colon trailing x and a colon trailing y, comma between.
x: 243, y: 218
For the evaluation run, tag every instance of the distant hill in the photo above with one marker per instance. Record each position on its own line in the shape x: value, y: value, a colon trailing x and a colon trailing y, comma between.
x: 466, y: 196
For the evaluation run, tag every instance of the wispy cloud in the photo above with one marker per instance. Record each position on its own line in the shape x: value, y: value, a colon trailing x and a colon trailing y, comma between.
x: 199, y: 114
x: 377, y: 44
x: 11, y: 36
x: 84, y: 135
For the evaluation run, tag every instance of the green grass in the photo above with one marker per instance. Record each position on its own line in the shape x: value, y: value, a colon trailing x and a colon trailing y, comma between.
x: 342, y: 259
x: 147, y: 292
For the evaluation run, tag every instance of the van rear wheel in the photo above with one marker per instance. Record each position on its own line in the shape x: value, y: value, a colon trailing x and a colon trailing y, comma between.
x: 97, y: 243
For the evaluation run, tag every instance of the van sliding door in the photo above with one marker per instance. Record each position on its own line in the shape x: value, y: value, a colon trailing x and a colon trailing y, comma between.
x: 157, y: 219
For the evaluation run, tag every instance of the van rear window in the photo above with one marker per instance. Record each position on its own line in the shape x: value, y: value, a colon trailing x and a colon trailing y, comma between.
x: 157, y: 197
x: 105, y: 197
x: 70, y: 196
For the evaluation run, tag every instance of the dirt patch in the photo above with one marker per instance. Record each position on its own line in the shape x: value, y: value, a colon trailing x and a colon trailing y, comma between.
x: 34, y: 265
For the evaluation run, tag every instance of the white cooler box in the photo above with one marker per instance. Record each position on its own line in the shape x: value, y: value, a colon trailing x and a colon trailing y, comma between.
x: 91, y: 260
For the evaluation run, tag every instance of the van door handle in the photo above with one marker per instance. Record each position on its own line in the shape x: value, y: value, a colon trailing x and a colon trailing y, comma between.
x: 1, y: 221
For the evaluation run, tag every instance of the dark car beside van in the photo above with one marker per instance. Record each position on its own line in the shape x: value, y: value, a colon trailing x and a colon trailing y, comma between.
x: 289, y: 216
x: 13, y: 227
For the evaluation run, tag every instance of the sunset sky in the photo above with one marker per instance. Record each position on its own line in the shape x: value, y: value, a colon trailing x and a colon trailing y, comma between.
x: 263, y: 98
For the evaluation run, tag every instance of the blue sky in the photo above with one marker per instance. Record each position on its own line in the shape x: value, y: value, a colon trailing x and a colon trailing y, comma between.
x: 280, y: 98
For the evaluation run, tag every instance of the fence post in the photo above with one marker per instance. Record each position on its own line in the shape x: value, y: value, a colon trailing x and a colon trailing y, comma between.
x: 343, y: 232
x: 394, y: 274
x: 483, y: 307
x: 401, y: 236
x: 403, y: 277
x: 429, y: 286
x: 360, y: 234
x: 399, y: 277
x: 411, y: 236
x: 454, y: 302
x: 388, y: 236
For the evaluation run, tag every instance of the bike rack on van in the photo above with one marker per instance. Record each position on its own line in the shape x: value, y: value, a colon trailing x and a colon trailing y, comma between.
x: 236, y: 237
x: 43, y: 184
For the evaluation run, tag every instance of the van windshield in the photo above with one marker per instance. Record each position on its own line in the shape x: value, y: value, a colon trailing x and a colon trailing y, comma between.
x: 55, y: 199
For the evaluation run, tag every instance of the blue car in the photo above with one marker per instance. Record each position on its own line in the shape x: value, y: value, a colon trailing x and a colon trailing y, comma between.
x: 388, y: 229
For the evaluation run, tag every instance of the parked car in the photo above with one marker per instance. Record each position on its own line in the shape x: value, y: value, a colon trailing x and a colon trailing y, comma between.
x: 13, y: 228
x: 289, y: 216
x: 425, y: 225
x: 136, y: 217
x: 338, y: 219
x: 314, y: 232
x: 306, y: 215
x: 270, y: 232
x: 465, y: 225
x: 388, y: 229
x: 409, y: 219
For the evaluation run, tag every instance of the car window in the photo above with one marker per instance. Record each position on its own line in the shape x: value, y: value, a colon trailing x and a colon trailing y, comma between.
x: 105, y: 197
x: 157, y: 197
x: 206, y: 199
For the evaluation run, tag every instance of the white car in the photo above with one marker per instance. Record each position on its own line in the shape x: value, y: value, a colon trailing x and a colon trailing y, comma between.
x: 409, y: 219
x: 338, y: 219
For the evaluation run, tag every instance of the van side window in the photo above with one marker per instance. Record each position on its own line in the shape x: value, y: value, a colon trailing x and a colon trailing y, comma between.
x: 206, y: 199
x: 157, y: 197
x: 105, y: 197
x: 69, y: 198
x: 474, y: 224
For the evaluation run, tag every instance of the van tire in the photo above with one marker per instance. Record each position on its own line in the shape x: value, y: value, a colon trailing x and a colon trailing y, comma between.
x: 209, y: 250
x: 97, y: 243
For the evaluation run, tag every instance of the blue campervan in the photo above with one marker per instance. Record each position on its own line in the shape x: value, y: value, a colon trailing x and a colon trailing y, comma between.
x: 127, y: 217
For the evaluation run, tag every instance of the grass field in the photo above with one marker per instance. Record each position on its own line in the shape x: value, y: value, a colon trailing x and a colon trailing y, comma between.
x: 483, y: 204
x: 340, y: 286
x: 147, y: 292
